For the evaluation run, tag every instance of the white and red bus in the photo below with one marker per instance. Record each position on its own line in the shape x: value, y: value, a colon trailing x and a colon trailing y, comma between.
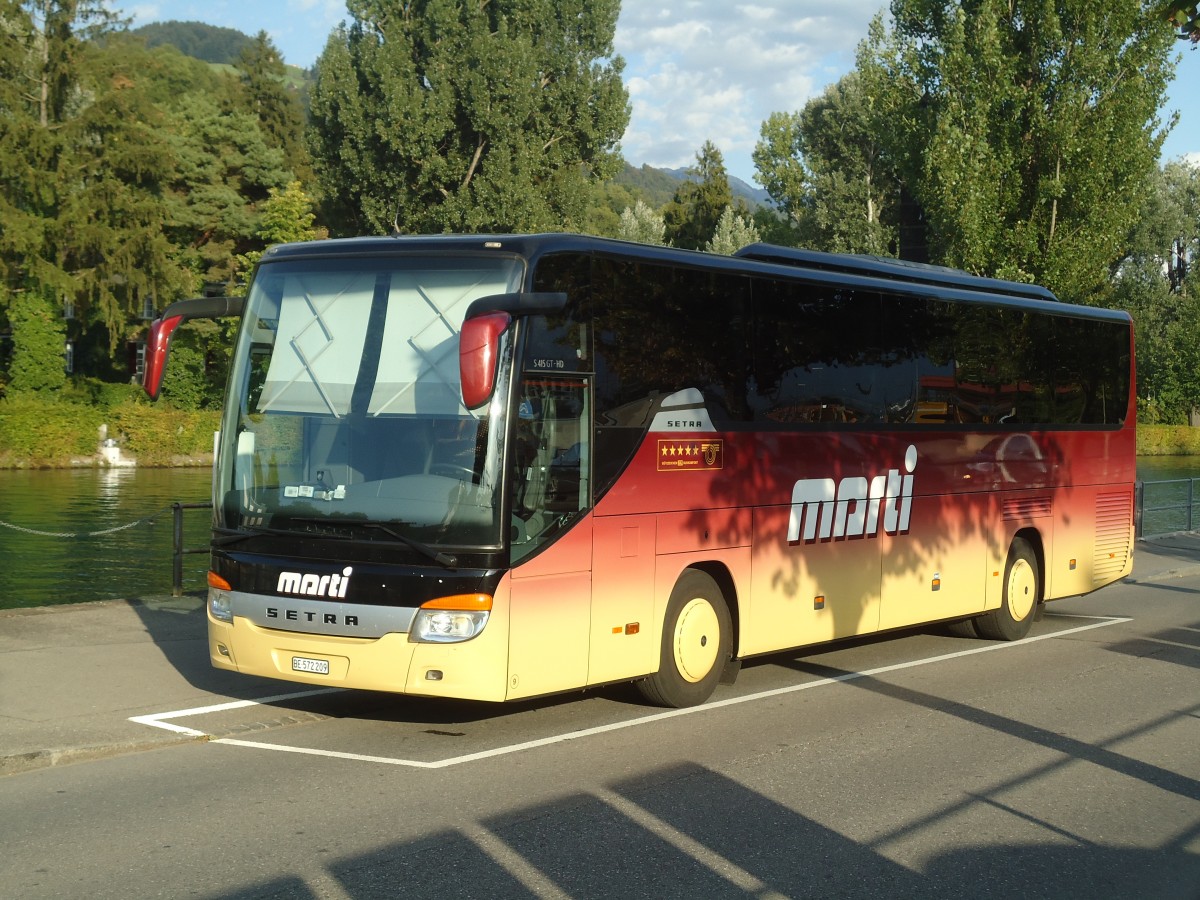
x: 501, y: 467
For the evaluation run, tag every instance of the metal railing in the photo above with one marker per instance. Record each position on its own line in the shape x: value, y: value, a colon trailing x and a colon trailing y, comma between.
x: 178, y: 550
x: 1166, y: 507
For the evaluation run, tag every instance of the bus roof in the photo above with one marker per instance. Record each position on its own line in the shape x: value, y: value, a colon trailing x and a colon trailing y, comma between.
x: 812, y: 264
x: 892, y: 269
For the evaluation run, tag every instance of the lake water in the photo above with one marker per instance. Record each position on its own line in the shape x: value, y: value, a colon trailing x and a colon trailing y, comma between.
x: 1163, y: 468
x: 39, y: 570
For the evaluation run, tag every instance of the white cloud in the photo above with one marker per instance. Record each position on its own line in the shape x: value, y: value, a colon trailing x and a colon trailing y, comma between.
x: 714, y: 70
x: 142, y: 13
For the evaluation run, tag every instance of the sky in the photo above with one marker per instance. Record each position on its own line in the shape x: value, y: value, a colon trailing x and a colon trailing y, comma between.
x: 695, y: 70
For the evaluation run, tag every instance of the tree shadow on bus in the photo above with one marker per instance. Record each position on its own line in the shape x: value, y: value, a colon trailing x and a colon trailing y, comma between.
x: 851, y: 565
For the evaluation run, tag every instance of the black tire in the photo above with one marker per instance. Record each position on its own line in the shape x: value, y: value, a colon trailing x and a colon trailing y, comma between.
x: 697, y: 641
x: 1022, y: 593
x: 964, y: 628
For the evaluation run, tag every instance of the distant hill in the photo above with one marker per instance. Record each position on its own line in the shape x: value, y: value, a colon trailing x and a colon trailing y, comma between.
x: 205, y: 42
x: 657, y: 186
x: 754, y: 196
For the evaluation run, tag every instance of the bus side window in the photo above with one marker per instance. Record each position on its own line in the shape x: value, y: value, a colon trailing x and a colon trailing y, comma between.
x: 551, y: 459
x: 821, y: 365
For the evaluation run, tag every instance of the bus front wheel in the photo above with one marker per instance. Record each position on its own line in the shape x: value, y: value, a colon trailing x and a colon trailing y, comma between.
x: 1022, y: 591
x: 697, y: 641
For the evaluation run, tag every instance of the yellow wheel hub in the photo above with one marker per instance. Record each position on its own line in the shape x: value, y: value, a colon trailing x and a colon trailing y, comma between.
x: 1022, y: 589
x: 697, y: 639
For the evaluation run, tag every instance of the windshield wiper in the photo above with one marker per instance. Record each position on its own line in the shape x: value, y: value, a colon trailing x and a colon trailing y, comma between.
x: 236, y: 535
x: 447, y: 560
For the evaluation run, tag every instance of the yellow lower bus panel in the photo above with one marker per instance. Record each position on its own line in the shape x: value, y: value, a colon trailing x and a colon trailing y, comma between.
x: 476, y: 669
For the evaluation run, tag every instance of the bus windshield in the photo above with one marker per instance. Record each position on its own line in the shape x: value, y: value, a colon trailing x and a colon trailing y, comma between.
x: 345, y: 414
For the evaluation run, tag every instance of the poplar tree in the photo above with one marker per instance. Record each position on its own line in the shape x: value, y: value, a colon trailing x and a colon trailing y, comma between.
x: 485, y: 115
x: 828, y: 170
x: 1028, y: 131
x: 641, y: 224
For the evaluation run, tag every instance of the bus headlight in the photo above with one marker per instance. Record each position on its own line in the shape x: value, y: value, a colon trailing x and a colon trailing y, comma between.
x: 220, y: 603
x: 451, y: 619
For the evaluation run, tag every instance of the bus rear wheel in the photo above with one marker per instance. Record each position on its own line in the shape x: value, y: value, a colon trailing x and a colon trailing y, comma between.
x: 697, y: 641
x: 1022, y: 591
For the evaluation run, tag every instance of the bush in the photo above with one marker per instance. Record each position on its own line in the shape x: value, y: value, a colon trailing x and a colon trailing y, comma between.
x: 101, y: 394
x: 39, y: 432
x: 1168, y: 440
x: 159, y: 435
x: 38, y: 342
x: 36, y: 432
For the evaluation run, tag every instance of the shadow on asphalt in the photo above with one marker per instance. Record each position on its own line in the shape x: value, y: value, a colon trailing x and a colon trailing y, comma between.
x: 687, y: 832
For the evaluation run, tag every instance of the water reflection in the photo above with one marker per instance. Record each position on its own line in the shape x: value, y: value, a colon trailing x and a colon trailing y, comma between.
x: 1165, y: 468
x: 74, y: 564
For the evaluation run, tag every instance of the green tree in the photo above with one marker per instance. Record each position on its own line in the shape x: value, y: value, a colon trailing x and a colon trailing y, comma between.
x: 1156, y: 283
x: 732, y: 234
x: 279, y: 111
x: 225, y: 171
x: 779, y: 161
x: 38, y: 339
x: 692, y: 215
x: 442, y: 115
x: 112, y: 201
x: 642, y: 224
x: 1028, y: 131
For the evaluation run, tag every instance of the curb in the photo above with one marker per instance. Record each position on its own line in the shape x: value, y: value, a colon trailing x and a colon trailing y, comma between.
x: 1166, y: 575
x: 34, y: 760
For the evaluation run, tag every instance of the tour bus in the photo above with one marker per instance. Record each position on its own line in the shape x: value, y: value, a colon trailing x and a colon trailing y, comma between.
x: 500, y: 467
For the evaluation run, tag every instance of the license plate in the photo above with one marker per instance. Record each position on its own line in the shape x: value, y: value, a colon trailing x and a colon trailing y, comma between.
x: 313, y: 666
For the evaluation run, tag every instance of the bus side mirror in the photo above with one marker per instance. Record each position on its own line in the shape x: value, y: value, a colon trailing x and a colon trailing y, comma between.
x: 158, y: 342
x: 478, y: 355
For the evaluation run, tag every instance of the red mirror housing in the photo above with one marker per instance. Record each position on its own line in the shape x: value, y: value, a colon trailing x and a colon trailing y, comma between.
x: 478, y: 355
x: 158, y: 341
x: 157, y: 344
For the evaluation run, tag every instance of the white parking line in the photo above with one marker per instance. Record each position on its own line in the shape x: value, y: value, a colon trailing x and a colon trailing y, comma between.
x: 159, y: 720
x: 162, y: 720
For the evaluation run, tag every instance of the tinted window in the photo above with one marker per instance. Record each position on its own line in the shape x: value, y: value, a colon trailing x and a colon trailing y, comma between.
x: 786, y: 354
x: 970, y: 364
x: 817, y: 355
x: 663, y: 329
